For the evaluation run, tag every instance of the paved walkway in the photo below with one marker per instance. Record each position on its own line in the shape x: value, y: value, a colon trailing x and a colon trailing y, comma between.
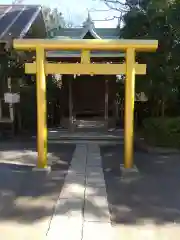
x: 145, y: 205
x: 81, y: 212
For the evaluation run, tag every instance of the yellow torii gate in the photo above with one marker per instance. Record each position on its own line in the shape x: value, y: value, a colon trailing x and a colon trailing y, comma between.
x: 41, y: 68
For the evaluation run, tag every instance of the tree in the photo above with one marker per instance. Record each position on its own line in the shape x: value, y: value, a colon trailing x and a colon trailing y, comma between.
x: 152, y: 19
x: 120, y: 5
x: 53, y: 18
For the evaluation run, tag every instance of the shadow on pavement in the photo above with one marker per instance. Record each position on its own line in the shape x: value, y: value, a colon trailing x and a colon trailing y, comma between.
x: 152, y: 196
x: 28, y: 196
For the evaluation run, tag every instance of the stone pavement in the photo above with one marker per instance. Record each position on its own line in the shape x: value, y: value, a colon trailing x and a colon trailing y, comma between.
x: 82, y: 212
x: 86, y: 181
x: 27, y: 198
x: 145, y: 205
x: 70, y: 202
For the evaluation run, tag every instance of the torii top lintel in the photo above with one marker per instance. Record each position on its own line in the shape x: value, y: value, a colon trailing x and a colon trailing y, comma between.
x: 86, y: 44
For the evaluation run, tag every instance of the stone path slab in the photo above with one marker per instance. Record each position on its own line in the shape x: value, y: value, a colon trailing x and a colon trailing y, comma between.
x: 82, y: 211
x: 97, y: 230
x: 96, y: 205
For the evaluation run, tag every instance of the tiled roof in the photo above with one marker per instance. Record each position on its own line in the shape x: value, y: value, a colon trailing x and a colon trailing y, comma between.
x: 88, y: 30
x: 16, y: 20
x: 88, y: 27
x: 75, y: 33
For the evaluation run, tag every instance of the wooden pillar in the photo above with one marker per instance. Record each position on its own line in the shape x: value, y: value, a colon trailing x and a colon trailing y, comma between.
x: 0, y: 108
x: 129, y: 107
x: 11, y: 107
x: 70, y: 104
x: 41, y: 108
x: 122, y: 108
x: 106, y: 100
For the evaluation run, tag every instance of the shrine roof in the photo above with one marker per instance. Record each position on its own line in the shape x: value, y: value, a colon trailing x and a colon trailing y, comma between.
x: 78, y: 33
x: 87, y: 31
x: 16, y: 21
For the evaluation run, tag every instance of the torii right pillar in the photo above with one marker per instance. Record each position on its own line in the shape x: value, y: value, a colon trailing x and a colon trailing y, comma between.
x: 129, y: 108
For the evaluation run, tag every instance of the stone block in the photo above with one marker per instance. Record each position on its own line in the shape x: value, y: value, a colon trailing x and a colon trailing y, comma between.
x: 65, y: 228
x: 96, y: 209
x: 94, y: 161
x: 129, y: 174
x: 71, y: 208
x: 78, y: 168
x: 75, y: 178
x: 72, y: 190
x: 95, y: 181
x: 95, y: 191
x: 94, y: 171
x: 95, y: 230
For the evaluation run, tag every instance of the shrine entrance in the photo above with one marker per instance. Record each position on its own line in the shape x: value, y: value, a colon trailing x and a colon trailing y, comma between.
x: 42, y: 68
x: 86, y: 101
x: 90, y: 103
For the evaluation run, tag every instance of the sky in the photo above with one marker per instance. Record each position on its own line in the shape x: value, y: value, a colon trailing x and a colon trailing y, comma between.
x: 76, y: 10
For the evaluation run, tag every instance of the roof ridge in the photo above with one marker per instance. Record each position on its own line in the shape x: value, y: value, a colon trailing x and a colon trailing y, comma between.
x: 78, y: 28
x: 89, y: 28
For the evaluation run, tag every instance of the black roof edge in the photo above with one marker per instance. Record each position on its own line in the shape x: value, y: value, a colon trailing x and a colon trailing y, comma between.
x: 28, y: 26
x: 8, y: 44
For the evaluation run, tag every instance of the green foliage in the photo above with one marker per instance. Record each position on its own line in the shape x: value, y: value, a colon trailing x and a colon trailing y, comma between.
x: 159, y: 20
x: 162, y: 131
x: 28, y: 101
x: 28, y: 107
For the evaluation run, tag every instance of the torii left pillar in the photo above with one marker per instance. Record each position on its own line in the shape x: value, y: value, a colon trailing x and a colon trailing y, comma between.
x: 41, y: 108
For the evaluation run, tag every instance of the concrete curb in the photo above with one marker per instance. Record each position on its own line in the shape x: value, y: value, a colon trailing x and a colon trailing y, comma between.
x: 45, y: 170
x: 140, y: 144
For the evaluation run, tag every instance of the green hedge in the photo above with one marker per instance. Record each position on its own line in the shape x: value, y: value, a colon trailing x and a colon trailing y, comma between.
x: 162, y: 131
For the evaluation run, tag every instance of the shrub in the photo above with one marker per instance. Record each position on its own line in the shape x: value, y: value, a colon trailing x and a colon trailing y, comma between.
x: 162, y: 131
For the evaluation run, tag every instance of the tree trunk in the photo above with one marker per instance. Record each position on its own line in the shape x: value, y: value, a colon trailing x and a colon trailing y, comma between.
x: 154, y: 108
x: 162, y: 108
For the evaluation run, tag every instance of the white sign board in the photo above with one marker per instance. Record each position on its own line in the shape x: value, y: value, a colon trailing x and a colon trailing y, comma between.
x: 11, y: 98
x: 141, y: 97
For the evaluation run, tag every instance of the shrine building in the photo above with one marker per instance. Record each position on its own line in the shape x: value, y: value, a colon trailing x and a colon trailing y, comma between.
x: 87, y: 99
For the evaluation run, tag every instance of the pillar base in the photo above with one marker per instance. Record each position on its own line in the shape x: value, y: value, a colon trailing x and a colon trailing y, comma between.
x: 46, y: 170
x: 71, y: 126
x: 129, y: 173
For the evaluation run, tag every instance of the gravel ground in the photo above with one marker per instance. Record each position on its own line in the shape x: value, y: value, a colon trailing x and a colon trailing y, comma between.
x: 152, y: 197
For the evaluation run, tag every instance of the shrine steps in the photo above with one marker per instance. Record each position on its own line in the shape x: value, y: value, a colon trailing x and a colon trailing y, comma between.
x: 92, y: 123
